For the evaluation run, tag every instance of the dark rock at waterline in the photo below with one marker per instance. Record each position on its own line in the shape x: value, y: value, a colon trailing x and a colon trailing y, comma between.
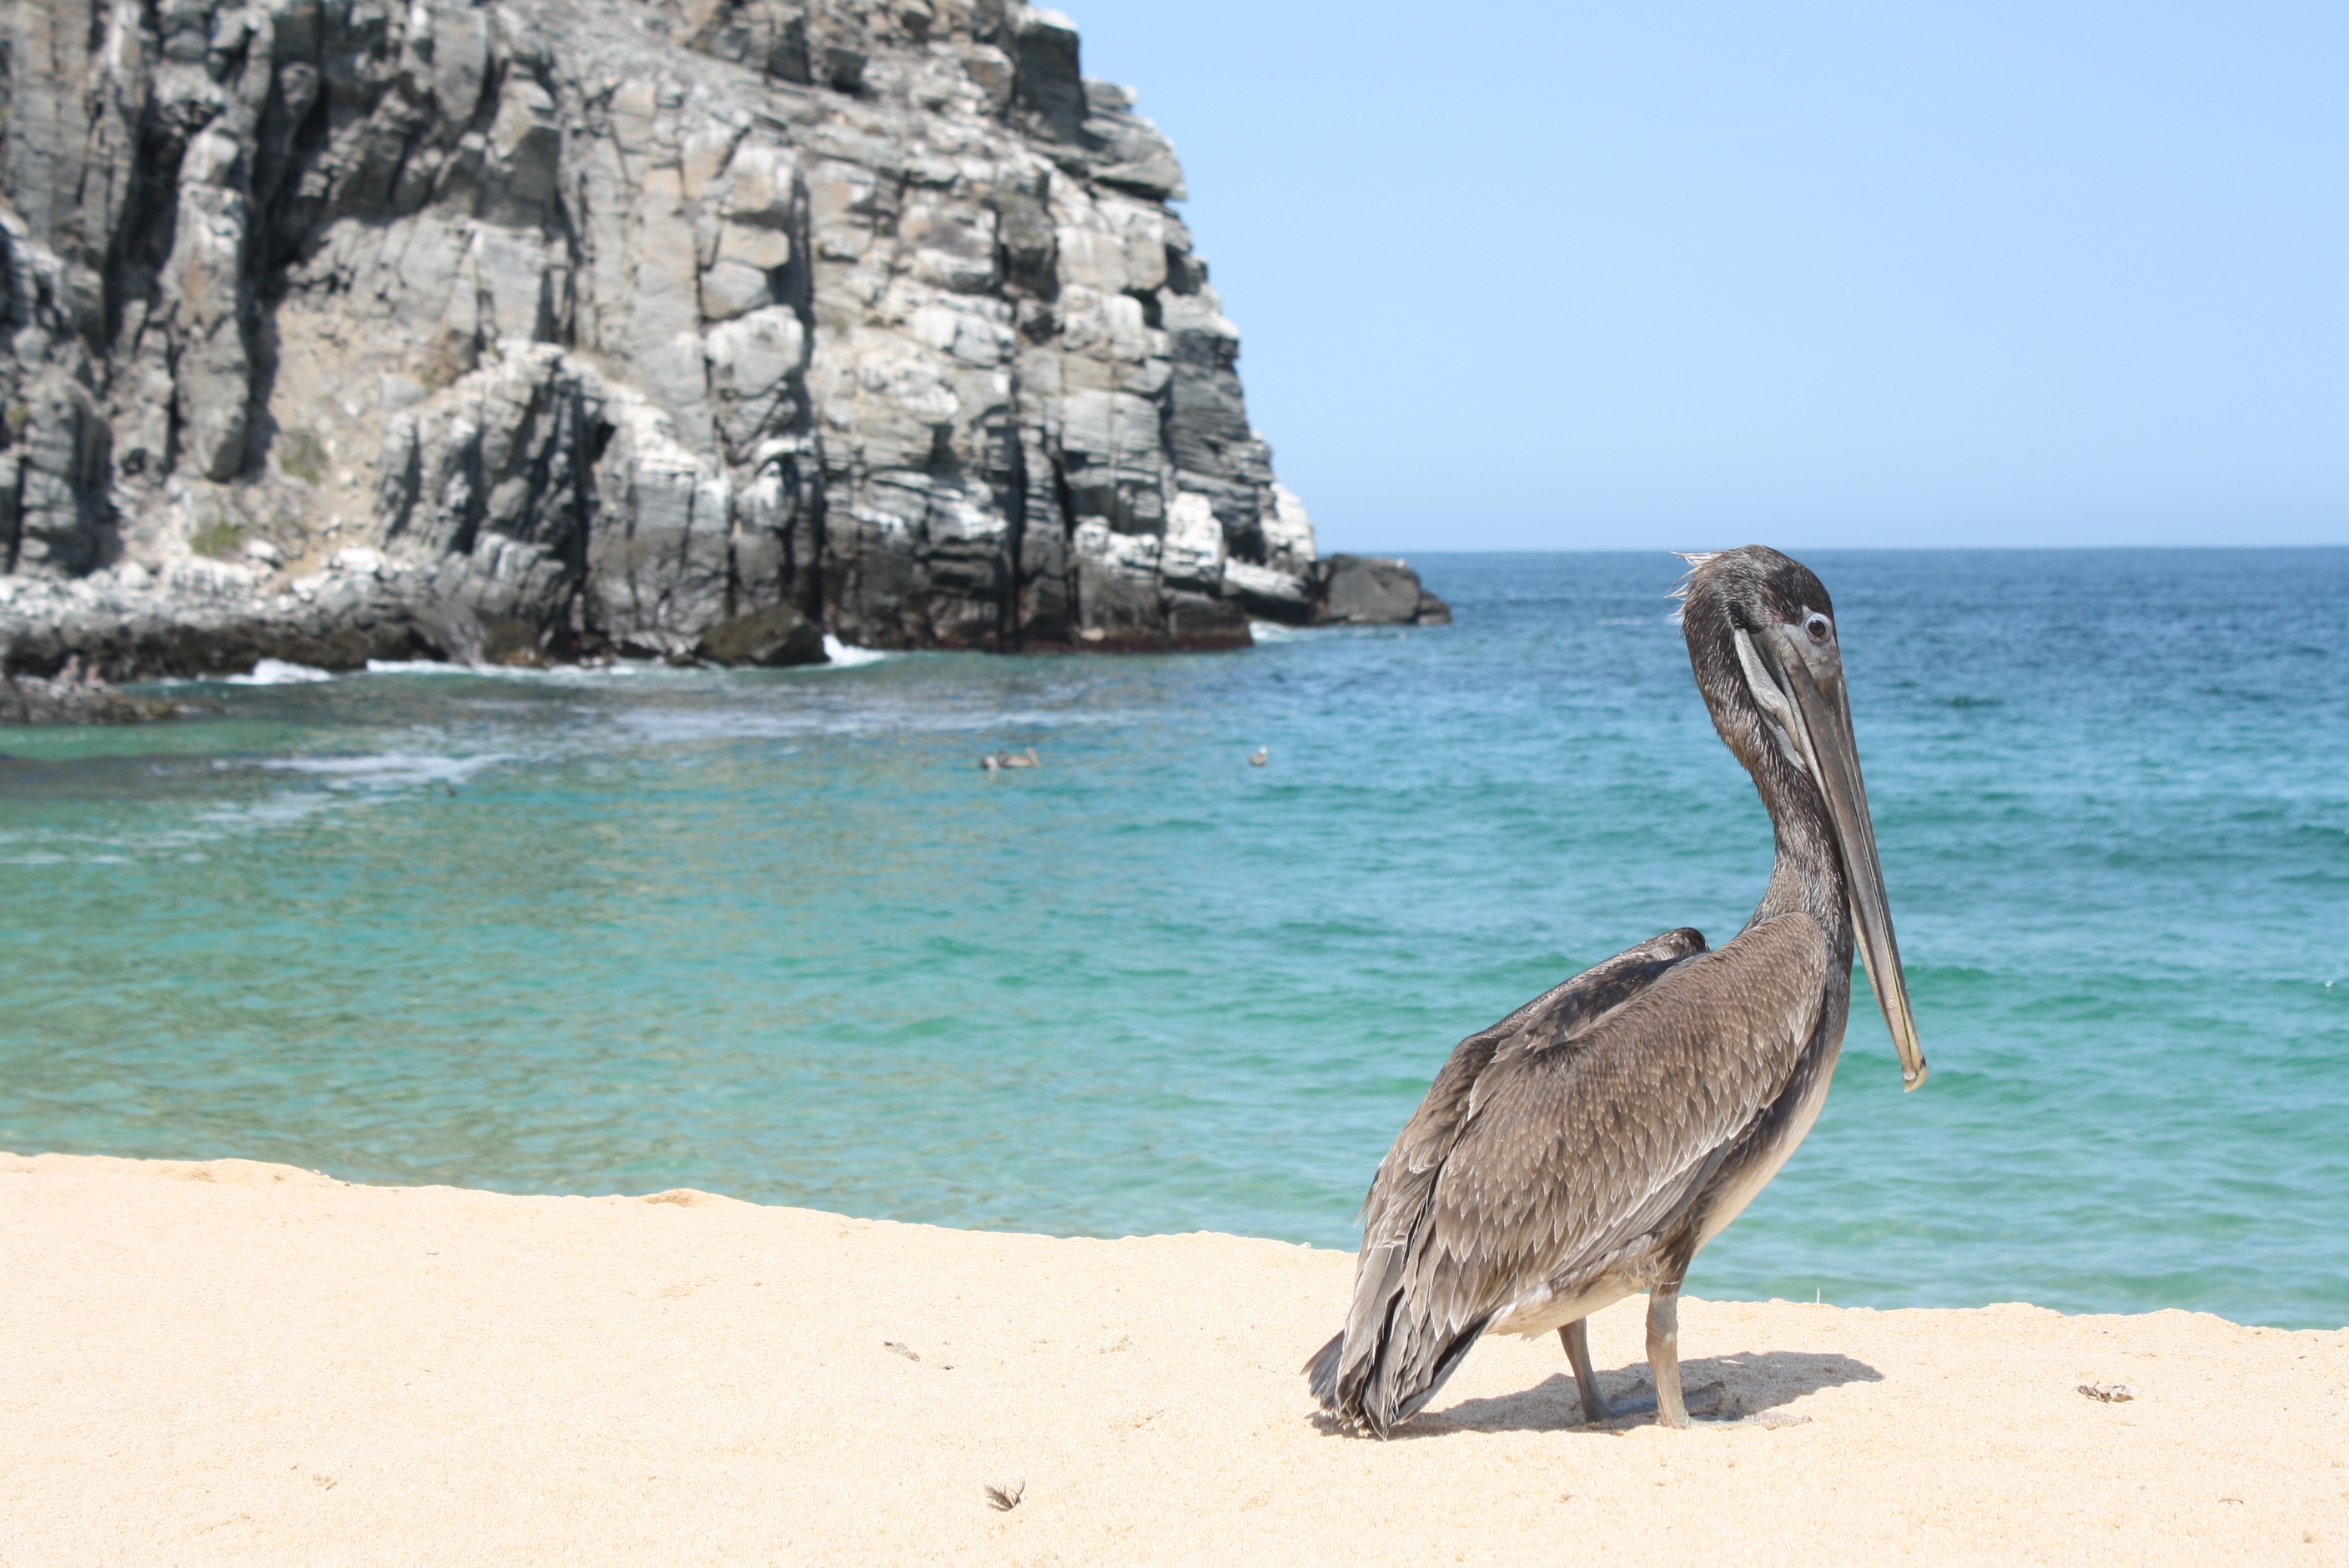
x: 1185, y: 623
x: 775, y: 635
x: 1376, y: 591
x: 76, y: 699
x: 210, y: 622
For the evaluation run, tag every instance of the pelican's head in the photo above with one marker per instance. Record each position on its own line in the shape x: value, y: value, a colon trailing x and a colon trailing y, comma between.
x: 1762, y: 638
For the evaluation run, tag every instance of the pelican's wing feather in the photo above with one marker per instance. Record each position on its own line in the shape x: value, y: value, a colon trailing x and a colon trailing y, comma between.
x: 1550, y: 1023
x: 1575, y: 1153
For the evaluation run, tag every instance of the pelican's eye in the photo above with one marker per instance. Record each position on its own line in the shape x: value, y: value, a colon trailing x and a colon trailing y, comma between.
x: 1817, y: 627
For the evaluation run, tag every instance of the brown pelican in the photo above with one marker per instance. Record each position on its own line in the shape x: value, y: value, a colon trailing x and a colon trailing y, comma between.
x: 1587, y: 1145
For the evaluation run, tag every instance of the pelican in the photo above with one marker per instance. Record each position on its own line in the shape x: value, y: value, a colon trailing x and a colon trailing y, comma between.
x: 1585, y: 1147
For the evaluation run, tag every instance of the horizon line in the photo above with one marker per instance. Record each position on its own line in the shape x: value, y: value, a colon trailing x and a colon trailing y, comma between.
x: 1393, y: 554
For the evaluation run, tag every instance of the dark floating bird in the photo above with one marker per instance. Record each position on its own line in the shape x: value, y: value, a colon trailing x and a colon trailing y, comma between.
x: 1587, y: 1145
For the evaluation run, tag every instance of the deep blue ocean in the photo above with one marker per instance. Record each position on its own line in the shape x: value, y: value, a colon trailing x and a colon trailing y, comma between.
x: 776, y: 934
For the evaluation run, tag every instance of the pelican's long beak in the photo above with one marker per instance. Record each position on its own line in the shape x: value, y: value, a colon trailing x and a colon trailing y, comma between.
x: 1823, y: 725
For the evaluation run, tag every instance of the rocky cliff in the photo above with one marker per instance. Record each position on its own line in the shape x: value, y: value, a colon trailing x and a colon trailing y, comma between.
x: 340, y: 329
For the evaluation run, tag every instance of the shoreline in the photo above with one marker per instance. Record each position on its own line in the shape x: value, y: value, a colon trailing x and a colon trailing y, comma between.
x: 229, y: 1361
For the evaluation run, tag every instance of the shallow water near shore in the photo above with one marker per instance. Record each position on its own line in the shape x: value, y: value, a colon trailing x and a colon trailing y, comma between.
x: 775, y: 934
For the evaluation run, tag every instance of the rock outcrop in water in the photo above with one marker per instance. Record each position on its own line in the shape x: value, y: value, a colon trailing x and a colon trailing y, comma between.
x: 75, y: 696
x: 1375, y: 591
x: 340, y: 329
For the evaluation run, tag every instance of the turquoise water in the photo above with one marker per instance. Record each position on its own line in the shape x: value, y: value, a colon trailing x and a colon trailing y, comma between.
x: 775, y: 934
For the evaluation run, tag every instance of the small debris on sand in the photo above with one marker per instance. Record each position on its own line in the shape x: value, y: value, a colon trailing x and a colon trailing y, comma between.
x: 2109, y: 1393
x: 892, y: 1345
x: 1003, y: 1499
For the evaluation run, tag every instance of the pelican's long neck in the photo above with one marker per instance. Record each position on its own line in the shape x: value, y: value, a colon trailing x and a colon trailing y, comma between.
x: 1809, y: 874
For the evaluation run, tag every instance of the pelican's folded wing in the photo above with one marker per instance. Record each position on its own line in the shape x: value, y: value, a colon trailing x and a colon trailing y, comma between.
x: 1574, y: 1150
x: 1550, y: 1023
x: 1399, y: 1192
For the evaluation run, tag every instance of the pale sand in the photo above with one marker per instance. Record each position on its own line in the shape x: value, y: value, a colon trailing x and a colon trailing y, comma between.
x: 245, y: 1363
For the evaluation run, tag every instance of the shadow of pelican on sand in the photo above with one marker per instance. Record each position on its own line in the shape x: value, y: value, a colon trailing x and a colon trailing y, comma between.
x: 1723, y: 1390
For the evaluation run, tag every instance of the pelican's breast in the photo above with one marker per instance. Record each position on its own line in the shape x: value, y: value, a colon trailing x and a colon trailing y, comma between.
x: 1778, y: 1139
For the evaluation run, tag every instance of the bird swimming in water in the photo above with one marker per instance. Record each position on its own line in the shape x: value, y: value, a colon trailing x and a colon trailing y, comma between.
x: 995, y: 761
x: 1259, y: 756
x: 1585, y: 1147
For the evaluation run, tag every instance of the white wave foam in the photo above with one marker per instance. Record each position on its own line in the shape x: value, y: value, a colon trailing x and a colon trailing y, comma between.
x: 276, y: 811
x: 419, y: 667
x: 391, y: 770
x: 561, y: 675
x: 847, y: 655
x: 1274, y: 632
x: 842, y: 655
x: 280, y: 672
x: 618, y: 669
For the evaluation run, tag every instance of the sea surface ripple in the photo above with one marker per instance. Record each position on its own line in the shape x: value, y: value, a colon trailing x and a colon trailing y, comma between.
x: 776, y: 934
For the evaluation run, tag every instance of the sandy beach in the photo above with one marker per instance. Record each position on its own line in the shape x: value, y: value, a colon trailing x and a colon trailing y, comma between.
x: 234, y: 1362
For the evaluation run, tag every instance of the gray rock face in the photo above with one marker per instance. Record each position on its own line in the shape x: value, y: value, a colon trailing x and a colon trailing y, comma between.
x: 600, y: 324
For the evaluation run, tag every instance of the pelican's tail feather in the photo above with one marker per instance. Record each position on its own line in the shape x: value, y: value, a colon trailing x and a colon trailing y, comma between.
x: 1387, y: 1363
x: 1348, y: 1368
x: 1408, y: 1378
x: 1321, y: 1371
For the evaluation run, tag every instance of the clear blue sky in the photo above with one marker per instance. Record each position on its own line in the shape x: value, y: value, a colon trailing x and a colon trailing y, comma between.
x: 1562, y: 276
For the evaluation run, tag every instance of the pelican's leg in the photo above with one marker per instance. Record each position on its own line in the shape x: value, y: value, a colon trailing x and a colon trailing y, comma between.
x: 1664, y: 1352
x: 1576, y: 1337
